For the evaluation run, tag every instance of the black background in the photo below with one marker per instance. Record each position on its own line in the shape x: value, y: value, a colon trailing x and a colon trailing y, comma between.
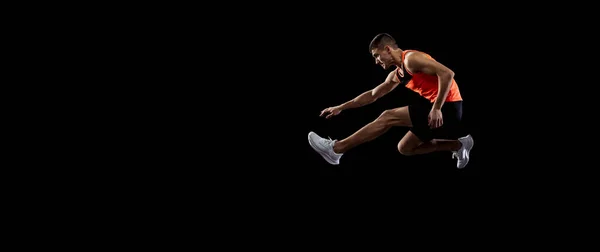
x: 220, y: 111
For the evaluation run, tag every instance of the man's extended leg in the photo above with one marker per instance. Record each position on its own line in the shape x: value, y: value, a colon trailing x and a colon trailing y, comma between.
x: 332, y: 150
x: 387, y: 119
x: 412, y: 145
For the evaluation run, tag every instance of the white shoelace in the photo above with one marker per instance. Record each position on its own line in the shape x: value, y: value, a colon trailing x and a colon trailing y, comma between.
x: 327, y: 141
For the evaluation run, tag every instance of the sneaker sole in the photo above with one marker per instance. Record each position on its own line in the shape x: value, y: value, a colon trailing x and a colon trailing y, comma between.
x: 324, y: 155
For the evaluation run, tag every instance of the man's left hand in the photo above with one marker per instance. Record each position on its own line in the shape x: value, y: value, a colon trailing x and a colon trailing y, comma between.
x: 435, y: 118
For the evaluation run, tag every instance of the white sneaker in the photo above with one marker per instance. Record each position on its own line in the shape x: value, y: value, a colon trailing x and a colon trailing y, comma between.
x: 324, y: 147
x: 463, y: 153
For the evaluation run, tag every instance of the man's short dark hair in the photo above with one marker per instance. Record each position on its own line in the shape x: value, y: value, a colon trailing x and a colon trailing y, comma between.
x: 381, y: 40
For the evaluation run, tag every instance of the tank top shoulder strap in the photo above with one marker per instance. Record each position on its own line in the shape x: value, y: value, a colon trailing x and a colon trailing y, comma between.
x: 403, y: 56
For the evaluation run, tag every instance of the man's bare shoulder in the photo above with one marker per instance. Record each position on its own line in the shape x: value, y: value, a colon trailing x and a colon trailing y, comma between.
x: 412, y: 54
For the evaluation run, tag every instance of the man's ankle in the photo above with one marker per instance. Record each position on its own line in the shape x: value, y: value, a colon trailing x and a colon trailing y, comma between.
x: 337, y: 148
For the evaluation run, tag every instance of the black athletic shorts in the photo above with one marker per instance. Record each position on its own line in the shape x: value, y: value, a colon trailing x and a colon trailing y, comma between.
x: 452, y: 127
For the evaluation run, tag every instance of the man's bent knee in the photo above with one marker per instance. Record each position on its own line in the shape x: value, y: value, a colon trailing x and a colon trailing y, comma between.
x: 406, y: 150
x: 409, y: 144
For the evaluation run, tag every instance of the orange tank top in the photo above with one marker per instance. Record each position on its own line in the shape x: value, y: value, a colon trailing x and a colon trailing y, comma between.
x: 427, y: 85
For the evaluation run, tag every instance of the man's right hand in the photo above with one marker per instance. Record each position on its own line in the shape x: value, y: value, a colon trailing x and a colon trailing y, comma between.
x: 331, y: 111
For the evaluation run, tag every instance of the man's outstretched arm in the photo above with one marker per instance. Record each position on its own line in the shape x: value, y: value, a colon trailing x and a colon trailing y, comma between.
x: 367, y: 97
x: 372, y: 95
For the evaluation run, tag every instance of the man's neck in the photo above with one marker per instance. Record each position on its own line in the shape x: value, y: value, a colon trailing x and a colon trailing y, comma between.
x: 397, y: 56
